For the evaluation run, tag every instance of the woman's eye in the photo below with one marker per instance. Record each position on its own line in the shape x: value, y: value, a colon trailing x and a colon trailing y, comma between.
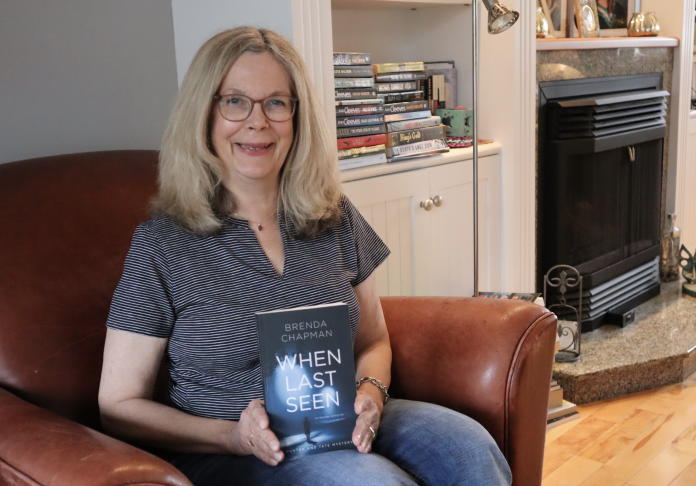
x: 233, y: 101
x: 278, y: 102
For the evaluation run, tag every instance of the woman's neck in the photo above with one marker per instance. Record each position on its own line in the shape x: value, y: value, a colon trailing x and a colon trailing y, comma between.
x: 254, y: 201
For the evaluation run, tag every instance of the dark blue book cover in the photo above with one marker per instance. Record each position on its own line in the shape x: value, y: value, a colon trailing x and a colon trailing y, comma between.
x: 308, y: 378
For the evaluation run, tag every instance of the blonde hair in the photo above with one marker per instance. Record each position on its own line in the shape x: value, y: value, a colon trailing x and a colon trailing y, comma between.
x: 190, y: 173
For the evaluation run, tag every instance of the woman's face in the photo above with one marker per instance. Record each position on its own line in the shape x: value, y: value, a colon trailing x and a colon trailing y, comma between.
x: 253, y: 149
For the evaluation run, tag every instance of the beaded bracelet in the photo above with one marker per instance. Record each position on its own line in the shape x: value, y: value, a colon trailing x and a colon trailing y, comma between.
x: 377, y: 383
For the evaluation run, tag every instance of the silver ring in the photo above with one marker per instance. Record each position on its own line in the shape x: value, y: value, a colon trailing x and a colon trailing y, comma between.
x: 249, y: 440
x: 374, y: 434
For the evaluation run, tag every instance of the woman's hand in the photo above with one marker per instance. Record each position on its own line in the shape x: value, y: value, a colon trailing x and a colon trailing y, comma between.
x: 251, y: 435
x: 368, y: 421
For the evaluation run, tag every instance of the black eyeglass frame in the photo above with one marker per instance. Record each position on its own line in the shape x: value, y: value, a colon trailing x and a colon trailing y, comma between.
x: 218, y: 98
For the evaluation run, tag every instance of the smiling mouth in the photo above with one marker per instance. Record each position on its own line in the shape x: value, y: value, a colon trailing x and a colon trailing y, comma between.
x: 254, y: 146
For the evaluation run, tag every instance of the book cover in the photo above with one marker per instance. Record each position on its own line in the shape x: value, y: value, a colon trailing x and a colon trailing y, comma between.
x: 413, y: 124
x: 308, y: 377
x: 416, y: 147
x: 360, y: 131
x: 357, y: 110
x: 360, y: 151
x: 363, y: 161
x: 509, y: 295
x: 354, y: 82
x: 367, y: 101
x: 398, y: 67
x: 350, y: 58
x: 412, y: 136
x: 356, y: 121
x: 393, y: 77
x: 394, y: 108
x: 401, y: 97
x: 353, y: 72
x: 392, y: 87
x: 417, y: 154
x: 354, y: 94
x: 344, y: 143
x: 407, y: 116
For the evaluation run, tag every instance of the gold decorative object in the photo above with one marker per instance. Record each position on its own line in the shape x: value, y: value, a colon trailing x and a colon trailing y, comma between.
x: 643, y: 25
x: 542, y: 25
x: 587, y: 18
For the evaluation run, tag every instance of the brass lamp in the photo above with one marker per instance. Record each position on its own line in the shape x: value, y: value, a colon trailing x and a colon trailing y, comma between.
x: 500, y: 19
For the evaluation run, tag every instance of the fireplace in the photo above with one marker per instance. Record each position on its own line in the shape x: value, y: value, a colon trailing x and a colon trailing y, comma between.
x: 600, y: 189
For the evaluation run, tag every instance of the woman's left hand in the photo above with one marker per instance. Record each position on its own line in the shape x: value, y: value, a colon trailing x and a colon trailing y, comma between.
x: 368, y: 421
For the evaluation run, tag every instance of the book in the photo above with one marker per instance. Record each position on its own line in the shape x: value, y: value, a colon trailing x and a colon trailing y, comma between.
x: 356, y: 121
x: 344, y: 143
x: 353, y: 72
x: 530, y: 297
x: 555, y: 397
x: 392, y: 87
x: 417, y: 154
x: 550, y: 424
x: 353, y: 82
x: 366, y: 101
x: 417, y: 147
x: 357, y: 110
x: 397, y: 67
x: 360, y: 131
x: 360, y: 151
x: 407, y: 116
x: 308, y: 377
x: 566, y: 409
x: 355, y: 94
x: 450, y: 74
x: 396, y: 139
x: 407, y: 76
x: 363, y: 161
x: 413, y: 124
x: 393, y: 108
x: 350, y: 58
x: 401, y: 97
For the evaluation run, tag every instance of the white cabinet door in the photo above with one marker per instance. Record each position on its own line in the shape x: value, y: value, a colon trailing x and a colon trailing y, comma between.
x: 447, y: 237
x: 387, y: 203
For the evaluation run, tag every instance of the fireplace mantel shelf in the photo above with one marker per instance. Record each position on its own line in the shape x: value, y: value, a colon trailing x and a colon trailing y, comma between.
x: 604, y: 43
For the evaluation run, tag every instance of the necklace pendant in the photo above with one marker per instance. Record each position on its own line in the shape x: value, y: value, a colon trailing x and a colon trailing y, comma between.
x: 260, y: 227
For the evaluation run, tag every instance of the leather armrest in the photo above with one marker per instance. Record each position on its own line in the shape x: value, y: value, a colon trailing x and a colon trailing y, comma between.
x: 39, y: 447
x: 486, y: 358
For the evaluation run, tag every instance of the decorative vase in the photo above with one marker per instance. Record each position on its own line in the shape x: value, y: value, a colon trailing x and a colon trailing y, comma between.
x: 643, y: 25
x: 542, y: 25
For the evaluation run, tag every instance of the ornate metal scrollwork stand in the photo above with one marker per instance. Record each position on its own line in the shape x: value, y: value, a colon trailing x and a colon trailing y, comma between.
x: 568, y: 278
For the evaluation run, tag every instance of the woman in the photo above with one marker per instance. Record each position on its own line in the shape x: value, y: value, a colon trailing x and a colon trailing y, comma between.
x: 250, y: 218
x: 612, y: 14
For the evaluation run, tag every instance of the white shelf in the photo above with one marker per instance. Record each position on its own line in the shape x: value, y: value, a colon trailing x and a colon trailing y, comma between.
x: 454, y: 155
x: 604, y: 43
x: 392, y: 4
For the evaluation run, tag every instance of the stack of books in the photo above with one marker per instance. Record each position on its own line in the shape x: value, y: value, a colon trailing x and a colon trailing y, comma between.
x: 560, y: 411
x: 360, y: 126
x: 412, y: 130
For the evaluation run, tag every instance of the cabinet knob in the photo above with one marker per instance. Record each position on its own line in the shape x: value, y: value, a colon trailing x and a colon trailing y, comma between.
x: 437, y: 201
x: 427, y: 204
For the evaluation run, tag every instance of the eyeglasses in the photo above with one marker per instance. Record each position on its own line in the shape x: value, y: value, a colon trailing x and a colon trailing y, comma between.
x: 238, y: 107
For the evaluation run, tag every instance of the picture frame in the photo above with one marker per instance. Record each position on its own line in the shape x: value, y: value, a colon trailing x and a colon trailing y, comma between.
x: 619, y: 13
x: 585, y: 22
x: 557, y: 16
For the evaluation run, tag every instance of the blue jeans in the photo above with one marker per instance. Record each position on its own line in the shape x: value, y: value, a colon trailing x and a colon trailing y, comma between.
x: 417, y: 444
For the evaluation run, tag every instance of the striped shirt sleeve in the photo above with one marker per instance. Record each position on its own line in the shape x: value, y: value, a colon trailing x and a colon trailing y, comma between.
x: 369, y: 248
x: 142, y: 302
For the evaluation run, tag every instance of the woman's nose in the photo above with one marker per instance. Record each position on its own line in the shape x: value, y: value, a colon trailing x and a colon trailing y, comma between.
x: 257, y: 118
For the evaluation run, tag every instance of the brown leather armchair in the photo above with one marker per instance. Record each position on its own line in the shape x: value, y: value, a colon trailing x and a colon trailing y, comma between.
x: 65, y: 227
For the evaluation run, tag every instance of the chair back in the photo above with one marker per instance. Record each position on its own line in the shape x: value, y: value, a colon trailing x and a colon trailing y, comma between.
x: 65, y: 228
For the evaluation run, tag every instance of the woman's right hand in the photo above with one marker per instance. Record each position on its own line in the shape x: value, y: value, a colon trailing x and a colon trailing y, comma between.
x: 251, y: 435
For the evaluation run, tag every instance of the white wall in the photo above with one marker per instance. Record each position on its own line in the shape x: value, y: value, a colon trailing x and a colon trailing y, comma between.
x: 84, y: 75
x: 195, y: 21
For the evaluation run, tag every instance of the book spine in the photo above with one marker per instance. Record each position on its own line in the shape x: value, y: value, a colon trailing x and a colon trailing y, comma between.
x: 359, y: 131
x: 355, y: 94
x: 350, y: 58
x: 359, y: 110
x: 430, y: 94
x: 394, y: 67
x: 345, y: 143
x: 357, y: 121
x: 417, y: 147
x: 401, y: 97
x: 353, y: 72
x: 407, y: 116
x: 413, y: 124
x: 413, y: 136
x: 362, y: 161
x: 367, y: 101
x: 353, y: 83
x: 394, y: 77
x: 391, y: 87
x: 360, y: 151
x: 407, y: 107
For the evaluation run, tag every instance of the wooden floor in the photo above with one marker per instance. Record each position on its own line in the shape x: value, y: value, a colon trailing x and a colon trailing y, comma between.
x: 643, y: 439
